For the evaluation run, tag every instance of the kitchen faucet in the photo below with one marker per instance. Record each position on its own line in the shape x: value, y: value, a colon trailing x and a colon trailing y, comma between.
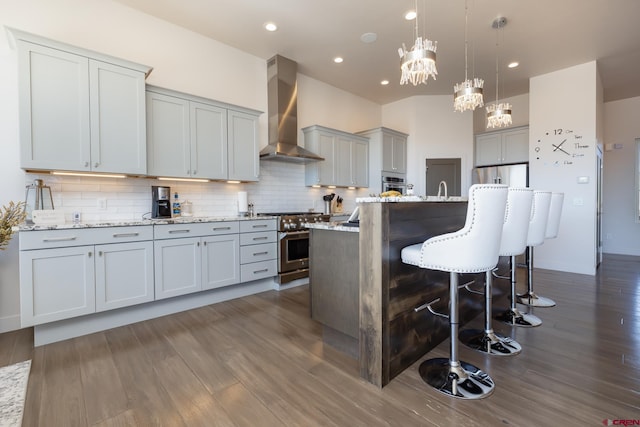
x: 445, y: 189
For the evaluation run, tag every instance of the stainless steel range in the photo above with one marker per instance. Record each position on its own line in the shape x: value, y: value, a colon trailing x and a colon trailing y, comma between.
x: 293, y: 247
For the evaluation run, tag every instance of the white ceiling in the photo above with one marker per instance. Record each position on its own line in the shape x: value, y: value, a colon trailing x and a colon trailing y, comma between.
x: 542, y: 35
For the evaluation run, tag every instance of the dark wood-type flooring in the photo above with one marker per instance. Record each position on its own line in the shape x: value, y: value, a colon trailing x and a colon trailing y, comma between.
x: 260, y: 361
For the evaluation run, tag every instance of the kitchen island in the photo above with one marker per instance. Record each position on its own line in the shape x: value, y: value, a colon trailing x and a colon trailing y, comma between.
x: 365, y: 296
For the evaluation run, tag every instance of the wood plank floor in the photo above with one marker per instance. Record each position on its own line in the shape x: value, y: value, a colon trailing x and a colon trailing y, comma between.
x: 260, y: 361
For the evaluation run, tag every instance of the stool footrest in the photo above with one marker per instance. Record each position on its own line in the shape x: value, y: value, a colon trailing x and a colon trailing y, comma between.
x: 431, y: 310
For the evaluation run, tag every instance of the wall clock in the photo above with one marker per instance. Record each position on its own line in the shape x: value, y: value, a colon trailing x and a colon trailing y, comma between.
x: 560, y: 147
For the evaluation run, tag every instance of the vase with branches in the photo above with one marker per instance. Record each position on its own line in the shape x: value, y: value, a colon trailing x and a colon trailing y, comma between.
x: 11, y: 216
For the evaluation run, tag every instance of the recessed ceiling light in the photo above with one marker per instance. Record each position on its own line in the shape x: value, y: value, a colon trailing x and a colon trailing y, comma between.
x: 368, y: 37
x: 411, y: 15
x: 384, y: 82
x: 270, y: 26
x: 513, y: 64
x: 338, y: 59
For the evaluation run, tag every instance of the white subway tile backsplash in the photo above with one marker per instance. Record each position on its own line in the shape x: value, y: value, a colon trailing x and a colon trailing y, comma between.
x: 281, y: 188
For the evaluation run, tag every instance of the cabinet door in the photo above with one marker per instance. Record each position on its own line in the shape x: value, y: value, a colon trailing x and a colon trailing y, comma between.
x: 56, y: 284
x: 168, y: 149
x: 54, y: 109
x: 118, y: 130
x: 399, y: 154
x: 360, y: 163
x: 208, y: 141
x: 124, y: 274
x: 515, y: 146
x: 220, y: 261
x: 387, y: 153
x: 488, y: 149
x: 178, y: 267
x: 243, y: 146
x: 342, y: 162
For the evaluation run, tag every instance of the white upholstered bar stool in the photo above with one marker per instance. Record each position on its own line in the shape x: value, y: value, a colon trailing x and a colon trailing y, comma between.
x: 513, y: 242
x: 538, y: 234
x: 472, y: 249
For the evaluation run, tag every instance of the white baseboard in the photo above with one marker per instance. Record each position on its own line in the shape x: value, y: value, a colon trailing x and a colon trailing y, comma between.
x: 10, y: 323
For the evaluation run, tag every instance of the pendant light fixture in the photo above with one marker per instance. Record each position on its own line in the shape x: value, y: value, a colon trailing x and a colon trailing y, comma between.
x: 498, y: 113
x: 468, y: 94
x: 418, y: 63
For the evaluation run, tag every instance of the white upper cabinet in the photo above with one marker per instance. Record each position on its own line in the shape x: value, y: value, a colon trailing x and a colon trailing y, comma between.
x: 192, y: 137
x: 169, y: 149
x: 79, y: 110
x: 244, y: 158
x: 394, y: 152
x: 118, y: 131
x: 346, y: 158
x: 502, y: 147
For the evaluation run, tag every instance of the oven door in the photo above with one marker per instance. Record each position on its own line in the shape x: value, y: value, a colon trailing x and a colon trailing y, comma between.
x: 394, y: 186
x: 293, y: 251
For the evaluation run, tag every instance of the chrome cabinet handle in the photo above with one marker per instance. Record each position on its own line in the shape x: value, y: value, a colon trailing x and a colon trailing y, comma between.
x: 220, y: 228
x: 59, y: 239
x: 99, y: 253
x: 260, y: 238
x: 126, y: 234
x: 261, y: 271
x: 90, y: 253
x: 260, y: 253
x: 259, y: 226
x: 179, y: 231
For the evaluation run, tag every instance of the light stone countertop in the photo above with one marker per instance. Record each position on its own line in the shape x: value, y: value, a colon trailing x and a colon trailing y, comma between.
x: 162, y: 221
x: 404, y: 199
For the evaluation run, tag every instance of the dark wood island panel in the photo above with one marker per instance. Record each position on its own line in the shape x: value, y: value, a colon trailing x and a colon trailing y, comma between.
x: 392, y: 335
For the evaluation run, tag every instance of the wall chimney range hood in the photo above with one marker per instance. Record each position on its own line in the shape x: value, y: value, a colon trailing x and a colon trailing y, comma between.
x: 282, y: 108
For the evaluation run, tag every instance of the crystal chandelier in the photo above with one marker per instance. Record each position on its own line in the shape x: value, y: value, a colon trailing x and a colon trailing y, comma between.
x: 468, y: 94
x: 418, y: 63
x: 499, y: 113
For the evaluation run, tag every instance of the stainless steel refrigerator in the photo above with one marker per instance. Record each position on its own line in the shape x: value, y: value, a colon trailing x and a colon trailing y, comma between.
x: 516, y: 175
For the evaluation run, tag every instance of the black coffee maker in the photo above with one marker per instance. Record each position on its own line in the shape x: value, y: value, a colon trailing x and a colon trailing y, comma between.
x: 160, y: 202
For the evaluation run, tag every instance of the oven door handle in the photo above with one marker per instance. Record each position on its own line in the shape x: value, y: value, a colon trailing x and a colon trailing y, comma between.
x: 284, y: 235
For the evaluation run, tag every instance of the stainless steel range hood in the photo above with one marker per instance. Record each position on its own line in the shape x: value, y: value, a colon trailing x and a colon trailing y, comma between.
x: 282, y: 108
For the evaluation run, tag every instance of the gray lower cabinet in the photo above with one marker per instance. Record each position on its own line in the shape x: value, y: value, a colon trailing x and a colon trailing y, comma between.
x: 79, y: 110
x: 220, y: 261
x: 67, y: 273
x: 209, y: 258
x: 193, y: 137
x: 63, y: 276
x: 178, y: 267
x: 258, y: 249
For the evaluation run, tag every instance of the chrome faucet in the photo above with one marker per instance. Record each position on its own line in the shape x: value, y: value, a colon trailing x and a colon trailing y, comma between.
x: 443, y: 183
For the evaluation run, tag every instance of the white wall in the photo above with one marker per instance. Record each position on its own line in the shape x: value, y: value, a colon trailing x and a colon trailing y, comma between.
x: 183, y: 61
x: 620, y: 231
x: 566, y: 99
x: 435, y: 131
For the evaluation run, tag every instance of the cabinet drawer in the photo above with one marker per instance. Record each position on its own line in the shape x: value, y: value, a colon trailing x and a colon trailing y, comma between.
x: 256, y: 253
x: 43, y: 239
x: 174, y: 231
x: 257, y: 225
x: 257, y: 238
x: 258, y: 270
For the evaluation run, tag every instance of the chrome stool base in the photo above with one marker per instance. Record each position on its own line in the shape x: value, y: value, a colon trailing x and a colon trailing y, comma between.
x: 515, y: 318
x: 463, y: 382
x: 533, y: 300
x: 490, y: 343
